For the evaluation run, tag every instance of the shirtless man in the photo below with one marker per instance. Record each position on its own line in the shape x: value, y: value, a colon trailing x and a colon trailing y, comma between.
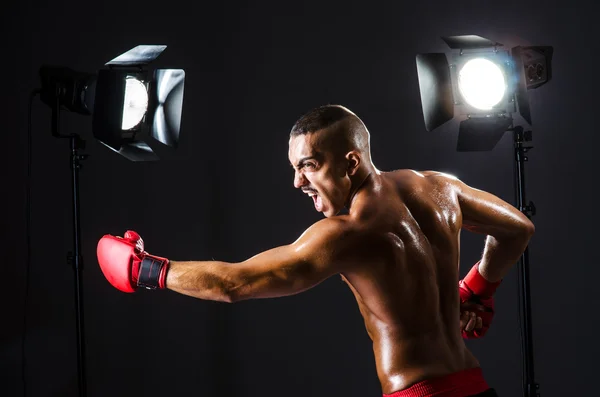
x: 398, y: 244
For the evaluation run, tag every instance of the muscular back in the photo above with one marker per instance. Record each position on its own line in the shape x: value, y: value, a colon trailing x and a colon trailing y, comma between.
x: 405, y: 277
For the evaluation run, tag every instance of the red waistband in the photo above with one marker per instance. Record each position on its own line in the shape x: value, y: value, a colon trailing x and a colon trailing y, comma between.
x: 458, y: 384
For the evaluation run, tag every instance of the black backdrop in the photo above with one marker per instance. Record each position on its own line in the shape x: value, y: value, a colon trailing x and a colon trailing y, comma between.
x: 252, y: 69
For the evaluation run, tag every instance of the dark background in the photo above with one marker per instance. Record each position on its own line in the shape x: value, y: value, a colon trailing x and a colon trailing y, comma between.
x: 226, y: 193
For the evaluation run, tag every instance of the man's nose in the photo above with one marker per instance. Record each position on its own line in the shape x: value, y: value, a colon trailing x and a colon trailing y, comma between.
x: 299, y: 180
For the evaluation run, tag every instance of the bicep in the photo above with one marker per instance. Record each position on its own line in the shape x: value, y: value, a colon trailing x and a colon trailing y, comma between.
x: 288, y: 269
x: 277, y: 272
x: 485, y: 213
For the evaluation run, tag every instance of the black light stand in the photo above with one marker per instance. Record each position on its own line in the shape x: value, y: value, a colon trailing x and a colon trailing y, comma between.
x: 75, y: 258
x: 530, y: 387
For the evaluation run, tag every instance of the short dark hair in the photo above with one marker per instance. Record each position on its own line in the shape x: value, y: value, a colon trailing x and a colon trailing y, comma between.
x: 319, y: 118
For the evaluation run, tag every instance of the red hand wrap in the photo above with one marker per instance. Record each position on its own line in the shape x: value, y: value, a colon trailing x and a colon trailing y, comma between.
x: 476, y: 289
x: 479, y: 285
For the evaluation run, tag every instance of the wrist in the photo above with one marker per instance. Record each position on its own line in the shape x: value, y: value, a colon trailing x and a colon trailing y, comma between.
x: 478, y: 284
x: 153, y: 272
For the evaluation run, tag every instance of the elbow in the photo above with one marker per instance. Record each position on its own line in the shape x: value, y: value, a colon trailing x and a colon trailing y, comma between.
x: 226, y: 294
x: 234, y: 285
x: 519, y: 233
x: 523, y: 227
x: 230, y: 296
x: 529, y: 229
x: 525, y: 232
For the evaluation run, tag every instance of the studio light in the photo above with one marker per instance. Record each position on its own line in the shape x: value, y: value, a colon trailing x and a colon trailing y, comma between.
x: 480, y: 84
x: 130, y: 107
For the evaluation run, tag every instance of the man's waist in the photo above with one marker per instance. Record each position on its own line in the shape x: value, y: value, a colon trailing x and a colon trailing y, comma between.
x: 457, y: 384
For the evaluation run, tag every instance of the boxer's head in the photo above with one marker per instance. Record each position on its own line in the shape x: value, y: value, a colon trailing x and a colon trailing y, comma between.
x: 329, y: 150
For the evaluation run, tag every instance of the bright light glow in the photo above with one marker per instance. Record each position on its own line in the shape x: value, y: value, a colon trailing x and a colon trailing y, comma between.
x: 135, y: 103
x: 481, y: 83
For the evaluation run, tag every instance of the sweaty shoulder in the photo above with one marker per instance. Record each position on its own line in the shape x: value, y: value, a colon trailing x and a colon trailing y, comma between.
x: 411, y: 181
x: 406, y: 174
x: 329, y: 237
x: 327, y: 229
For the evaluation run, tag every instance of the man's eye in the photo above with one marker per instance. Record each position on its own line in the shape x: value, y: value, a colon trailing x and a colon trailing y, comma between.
x: 309, y: 165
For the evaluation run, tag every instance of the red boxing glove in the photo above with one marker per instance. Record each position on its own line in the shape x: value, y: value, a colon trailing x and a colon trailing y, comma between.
x: 126, y: 266
x: 476, y: 289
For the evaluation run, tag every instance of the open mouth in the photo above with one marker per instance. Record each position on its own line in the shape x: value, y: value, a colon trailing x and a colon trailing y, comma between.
x: 318, y: 202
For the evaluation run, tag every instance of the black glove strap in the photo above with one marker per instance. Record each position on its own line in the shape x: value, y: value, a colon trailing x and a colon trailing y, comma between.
x: 149, y: 272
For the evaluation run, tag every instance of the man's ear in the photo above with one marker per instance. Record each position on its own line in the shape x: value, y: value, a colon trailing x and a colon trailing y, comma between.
x: 354, y: 160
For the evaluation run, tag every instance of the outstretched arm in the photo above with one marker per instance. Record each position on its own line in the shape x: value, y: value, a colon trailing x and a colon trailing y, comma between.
x: 316, y: 255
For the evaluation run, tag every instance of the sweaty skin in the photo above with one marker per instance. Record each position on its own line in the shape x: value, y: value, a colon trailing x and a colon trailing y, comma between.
x: 397, y: 249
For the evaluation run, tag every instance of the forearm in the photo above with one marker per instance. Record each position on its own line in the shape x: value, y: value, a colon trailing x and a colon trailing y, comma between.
x: 499, y: 255
x: 232, y: 282
x: 209, y: 280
